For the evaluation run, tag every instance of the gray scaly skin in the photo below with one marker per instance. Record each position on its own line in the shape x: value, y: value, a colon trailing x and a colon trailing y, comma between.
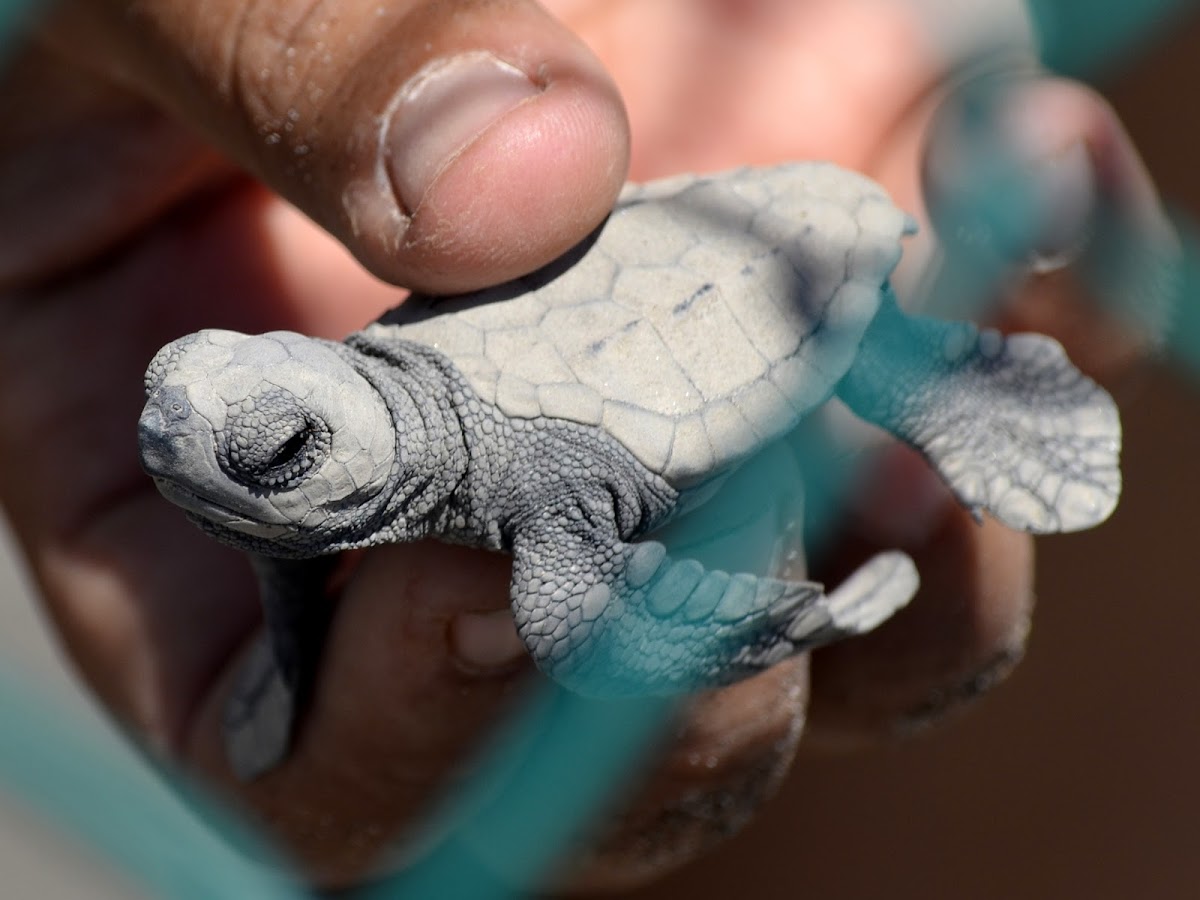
x: 565, y: 416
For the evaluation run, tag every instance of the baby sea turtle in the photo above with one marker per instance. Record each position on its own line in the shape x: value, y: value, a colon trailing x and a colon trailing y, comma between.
x: 564, y: 415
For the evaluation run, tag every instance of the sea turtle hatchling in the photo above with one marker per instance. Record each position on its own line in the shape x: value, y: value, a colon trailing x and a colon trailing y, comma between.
x: 564, y: 415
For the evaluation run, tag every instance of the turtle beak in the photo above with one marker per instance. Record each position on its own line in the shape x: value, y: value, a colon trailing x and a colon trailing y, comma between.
x: 165, y: 431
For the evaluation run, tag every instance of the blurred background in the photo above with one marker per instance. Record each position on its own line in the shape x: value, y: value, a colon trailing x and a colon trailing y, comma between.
x: 1076, y: 778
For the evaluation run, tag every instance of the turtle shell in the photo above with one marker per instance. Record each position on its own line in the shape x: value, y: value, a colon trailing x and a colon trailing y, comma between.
x: 701, y: 320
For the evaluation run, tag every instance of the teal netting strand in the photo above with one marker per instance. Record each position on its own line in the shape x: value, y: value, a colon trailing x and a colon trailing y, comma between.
x: 175, y: 843
x: 14, y: 18
x: 558, y: 764
x: 1084, y: 37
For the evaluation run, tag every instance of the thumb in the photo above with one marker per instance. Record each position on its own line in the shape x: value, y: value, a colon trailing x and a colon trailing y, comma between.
x: 448, y: 145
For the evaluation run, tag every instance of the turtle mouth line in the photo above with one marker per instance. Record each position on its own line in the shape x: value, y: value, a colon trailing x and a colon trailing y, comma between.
x: 213, y: 512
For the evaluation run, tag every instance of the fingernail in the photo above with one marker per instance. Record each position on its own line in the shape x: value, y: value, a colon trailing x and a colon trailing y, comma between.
x: 1064, y: 186
x: 486, y: 642
x: 1055, y: 174
x: 1003, y: 180
x: 441, y: 110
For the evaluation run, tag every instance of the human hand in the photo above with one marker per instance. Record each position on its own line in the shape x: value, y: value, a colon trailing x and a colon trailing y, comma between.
x: 122, y: 229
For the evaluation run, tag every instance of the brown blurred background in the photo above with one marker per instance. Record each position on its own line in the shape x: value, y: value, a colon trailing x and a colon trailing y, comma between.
x: 1080, y: 776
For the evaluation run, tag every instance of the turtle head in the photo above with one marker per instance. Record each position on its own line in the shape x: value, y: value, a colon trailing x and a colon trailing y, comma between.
x: 275, y: 443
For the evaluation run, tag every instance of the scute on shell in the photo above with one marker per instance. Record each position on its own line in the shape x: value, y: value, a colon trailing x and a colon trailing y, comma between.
x: 719, y: 309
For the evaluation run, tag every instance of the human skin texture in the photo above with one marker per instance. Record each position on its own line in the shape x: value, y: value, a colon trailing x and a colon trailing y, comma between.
x: 169, y: 166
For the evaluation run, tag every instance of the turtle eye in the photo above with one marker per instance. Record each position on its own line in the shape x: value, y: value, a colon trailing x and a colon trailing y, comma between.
x: 271, y: 441
x: 291, y: 448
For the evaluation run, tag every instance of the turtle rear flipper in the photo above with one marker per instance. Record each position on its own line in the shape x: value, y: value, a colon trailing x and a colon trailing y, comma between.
x: 1008, y: 422
x: 607, y: 618
x: 273, y: 685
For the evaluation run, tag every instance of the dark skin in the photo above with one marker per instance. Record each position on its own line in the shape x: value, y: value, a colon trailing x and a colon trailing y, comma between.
x: 127, y: 218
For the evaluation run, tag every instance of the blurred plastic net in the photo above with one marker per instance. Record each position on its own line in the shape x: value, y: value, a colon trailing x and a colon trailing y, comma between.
x: 562, y: 760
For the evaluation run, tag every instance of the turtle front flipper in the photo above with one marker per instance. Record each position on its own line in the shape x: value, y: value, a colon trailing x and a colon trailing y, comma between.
x: 608, y: 618
x: 275, y: 680
x: 1008, y: 422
